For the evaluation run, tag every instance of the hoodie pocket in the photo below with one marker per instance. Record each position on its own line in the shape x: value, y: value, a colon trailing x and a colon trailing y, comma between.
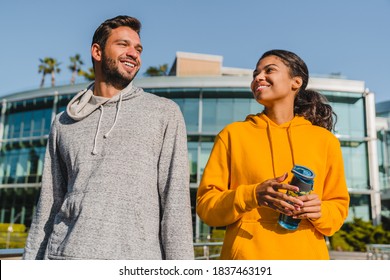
x: 238, y: 241
x: 64, y: 223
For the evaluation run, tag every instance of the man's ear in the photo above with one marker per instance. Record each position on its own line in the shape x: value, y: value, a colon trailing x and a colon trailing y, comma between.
x: 96, y: 52
x: 296, y: 83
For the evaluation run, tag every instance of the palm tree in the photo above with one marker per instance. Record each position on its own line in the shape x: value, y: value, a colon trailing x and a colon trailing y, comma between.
x: 161, y: 70
x: 48, y: 65
x: 75, y: 67
x: 89, y: 74
x: 43, y: 68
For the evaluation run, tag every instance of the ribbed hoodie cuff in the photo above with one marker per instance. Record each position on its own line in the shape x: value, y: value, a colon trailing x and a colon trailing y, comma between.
x: 246, y: 194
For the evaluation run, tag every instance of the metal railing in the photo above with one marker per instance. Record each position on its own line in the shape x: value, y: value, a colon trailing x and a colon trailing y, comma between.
x: 378, y: 251
x: 211, y: 251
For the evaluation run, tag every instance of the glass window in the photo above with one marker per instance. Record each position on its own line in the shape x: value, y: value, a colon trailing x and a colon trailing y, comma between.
x: 193, y: 161
x: 11, y: 165
x: 41, y: 122
x: 359, y: 207
x: 28, y: 118
x: 13, y: 125
x: 350, y: 119
x: 356, y: 166
x: 26, y: 124
x: 35, y: 164
x: 17, y: 205
x: 190, y: 110
x: 383, y: 145
x: 255, y: 107
x: 217, y: 113
x: 209, y: 115
x: 21, y: 165
x: 243, y: 107
x: 63, y: 101
x: 224, y: 113
x: 205, y: 150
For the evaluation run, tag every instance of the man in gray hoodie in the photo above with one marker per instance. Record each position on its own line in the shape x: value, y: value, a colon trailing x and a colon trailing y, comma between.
x: 115, y: 183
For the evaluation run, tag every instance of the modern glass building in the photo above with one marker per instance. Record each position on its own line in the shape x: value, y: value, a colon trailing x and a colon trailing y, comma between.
x: 383, y: 130
x: 209, y: 100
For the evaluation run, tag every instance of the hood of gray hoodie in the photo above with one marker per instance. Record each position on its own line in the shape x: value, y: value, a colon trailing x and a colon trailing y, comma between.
x: 85, y: 102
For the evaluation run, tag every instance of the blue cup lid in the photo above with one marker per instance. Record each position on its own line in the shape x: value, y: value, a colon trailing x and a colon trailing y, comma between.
x: 303, y: 173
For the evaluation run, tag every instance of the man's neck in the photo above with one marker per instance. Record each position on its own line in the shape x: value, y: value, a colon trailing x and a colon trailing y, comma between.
x: 105, y: 90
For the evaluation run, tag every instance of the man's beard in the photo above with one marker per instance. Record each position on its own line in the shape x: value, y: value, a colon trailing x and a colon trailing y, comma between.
x: 112, y: 75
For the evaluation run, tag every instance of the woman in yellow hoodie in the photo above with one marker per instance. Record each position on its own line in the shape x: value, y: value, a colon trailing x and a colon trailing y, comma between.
x: 245, y: 181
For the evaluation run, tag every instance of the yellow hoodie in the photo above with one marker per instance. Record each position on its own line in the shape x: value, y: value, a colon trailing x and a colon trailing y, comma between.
x: 250, y: 152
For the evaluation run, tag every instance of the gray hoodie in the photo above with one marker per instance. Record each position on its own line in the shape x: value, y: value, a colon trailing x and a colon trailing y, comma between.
x: 115, y: 182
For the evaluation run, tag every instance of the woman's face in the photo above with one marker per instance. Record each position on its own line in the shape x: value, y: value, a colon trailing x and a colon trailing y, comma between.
x: 273, y: 83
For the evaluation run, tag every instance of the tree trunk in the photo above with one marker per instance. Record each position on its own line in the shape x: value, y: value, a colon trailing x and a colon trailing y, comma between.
x: 43, y: 80
x: 53, y: 79
x: 73, y: 79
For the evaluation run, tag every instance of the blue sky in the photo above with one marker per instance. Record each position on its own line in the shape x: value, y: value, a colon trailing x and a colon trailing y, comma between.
x: 334, y: 36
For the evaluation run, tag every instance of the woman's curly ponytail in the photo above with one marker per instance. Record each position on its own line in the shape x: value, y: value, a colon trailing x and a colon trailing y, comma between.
x: 314, y: 107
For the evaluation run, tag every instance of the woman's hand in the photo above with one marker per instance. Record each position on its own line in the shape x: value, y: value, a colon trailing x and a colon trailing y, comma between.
x: 311, y: 208
x: 268, y: 194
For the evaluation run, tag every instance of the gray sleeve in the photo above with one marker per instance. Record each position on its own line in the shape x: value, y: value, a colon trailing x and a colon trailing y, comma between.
x: 50, y: 200
x: 176, y: 223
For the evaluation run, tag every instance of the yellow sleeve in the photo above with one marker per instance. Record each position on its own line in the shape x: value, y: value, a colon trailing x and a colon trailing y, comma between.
x: 217, y: 203
x: 335, y: 197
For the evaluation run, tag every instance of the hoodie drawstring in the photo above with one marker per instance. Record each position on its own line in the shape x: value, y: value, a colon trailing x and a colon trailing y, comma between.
x: 289, y: 135
x: 94, y: 150
x: 271, y: 147
x: 116, y: 116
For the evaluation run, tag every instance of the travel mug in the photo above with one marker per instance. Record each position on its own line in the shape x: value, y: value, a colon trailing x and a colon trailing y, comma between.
x: 304, y: 179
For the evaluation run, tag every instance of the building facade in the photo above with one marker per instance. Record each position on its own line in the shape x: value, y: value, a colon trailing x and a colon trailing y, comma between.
x: 208, y: 102
x: 383, y: 130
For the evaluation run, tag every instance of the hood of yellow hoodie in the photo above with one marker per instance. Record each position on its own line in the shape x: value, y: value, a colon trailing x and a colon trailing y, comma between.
x: 262, y: 121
